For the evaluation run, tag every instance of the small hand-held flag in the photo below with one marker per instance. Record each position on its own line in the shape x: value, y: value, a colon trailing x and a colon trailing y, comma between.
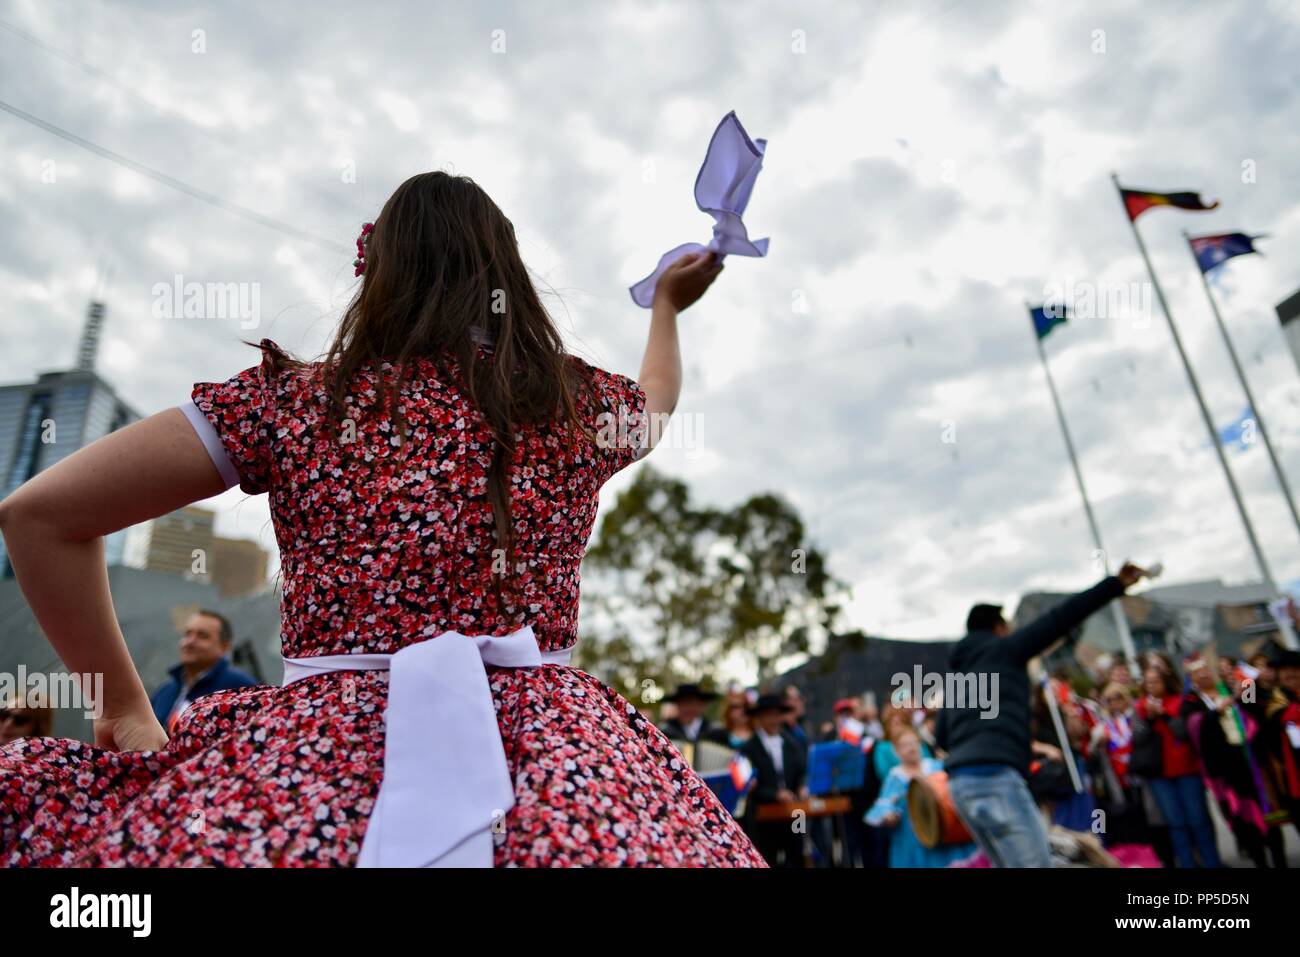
x: 850, y: 730
x: 742, y: 772
x: 1138, y: 201
x: 1214, y: 250
x: 722, y: 189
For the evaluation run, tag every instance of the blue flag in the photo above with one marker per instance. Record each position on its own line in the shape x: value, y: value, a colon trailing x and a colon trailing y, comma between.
x: 1214, y: 250
x: 1047, y: 317
x: 1241, y: 433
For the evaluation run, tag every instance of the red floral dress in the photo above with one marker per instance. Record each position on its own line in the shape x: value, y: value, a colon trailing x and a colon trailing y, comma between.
x: 377, y: 552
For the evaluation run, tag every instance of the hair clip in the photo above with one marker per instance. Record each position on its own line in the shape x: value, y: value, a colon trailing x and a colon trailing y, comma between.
x: 362, y: 241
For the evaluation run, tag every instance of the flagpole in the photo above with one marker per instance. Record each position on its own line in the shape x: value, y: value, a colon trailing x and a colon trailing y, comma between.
x: 1067, y: 752
x: 1200, y: 399
x: 1116, y: 607
x: 1245, y: 386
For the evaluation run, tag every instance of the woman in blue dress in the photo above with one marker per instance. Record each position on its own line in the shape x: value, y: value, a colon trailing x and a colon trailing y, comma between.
x: 890, y: 809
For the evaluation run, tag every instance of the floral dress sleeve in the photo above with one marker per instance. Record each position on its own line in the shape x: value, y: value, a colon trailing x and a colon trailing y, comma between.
x: 621, y: 425
x: 233, y: 418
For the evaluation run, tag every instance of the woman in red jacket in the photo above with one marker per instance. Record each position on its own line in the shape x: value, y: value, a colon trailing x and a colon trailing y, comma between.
x: 1177, y: 788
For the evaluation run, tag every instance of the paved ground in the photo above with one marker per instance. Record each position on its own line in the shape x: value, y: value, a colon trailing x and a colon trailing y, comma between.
x: 1228, y: 844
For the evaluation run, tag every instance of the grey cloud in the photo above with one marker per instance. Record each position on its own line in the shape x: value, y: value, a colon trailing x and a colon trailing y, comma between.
x: 831, y: 414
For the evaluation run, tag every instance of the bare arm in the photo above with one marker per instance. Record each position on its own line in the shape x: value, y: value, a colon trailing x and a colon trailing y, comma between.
x: 54, y: 527
x: 661, y: 368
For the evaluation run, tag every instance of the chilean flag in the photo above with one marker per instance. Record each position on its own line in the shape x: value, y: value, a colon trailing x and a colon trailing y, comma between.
x: 1214, y: 250
x: 851, y: 731
x: 742, y: 772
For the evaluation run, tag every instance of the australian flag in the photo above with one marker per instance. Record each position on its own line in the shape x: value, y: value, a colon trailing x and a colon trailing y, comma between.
x: 1213, y: 250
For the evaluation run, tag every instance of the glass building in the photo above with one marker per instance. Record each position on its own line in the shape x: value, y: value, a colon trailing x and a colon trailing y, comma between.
x: 44, y: 421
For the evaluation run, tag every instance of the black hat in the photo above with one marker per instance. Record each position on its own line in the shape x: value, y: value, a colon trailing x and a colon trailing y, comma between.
x: 769, y: 702
x: 1286, y: 659
x: 690, y: 691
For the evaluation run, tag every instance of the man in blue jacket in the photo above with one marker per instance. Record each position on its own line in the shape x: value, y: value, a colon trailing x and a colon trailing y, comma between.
x: 989, y: 750
x: 204, y: 667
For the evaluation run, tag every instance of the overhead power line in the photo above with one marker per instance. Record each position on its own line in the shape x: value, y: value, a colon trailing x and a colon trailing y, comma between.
x: 179, y: 185
x: 67, y: 57
x: 357, y: 211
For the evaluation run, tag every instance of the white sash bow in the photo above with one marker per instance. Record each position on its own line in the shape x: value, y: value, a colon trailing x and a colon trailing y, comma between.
x: 446, y: 781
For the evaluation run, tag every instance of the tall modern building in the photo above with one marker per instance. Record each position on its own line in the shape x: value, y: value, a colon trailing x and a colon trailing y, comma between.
x: 47, y: 420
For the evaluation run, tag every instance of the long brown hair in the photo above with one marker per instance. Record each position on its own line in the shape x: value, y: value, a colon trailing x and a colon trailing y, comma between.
x: 442, y: 266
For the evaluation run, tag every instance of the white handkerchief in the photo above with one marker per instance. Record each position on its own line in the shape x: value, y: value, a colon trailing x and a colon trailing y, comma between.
x: 722, y: 190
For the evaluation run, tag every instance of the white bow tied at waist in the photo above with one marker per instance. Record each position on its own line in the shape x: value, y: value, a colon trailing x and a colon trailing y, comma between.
x: 446, y: 781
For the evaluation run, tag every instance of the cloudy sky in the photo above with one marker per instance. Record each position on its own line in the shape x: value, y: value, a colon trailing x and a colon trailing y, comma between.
x: 930, y: 167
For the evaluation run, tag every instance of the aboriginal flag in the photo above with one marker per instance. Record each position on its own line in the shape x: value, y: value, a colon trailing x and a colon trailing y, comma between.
x: 1138, y: 201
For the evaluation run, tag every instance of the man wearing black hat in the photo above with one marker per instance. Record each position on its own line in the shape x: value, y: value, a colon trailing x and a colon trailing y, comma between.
x: 780, y: 766
x: 989, y: 748
x: 690, y: 724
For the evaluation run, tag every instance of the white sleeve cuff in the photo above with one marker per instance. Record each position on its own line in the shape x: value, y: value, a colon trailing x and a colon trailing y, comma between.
x: 212, y: 442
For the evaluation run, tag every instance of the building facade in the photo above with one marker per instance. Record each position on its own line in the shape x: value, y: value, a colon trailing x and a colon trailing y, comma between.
x: 47, y: 420
x: 44, y: 421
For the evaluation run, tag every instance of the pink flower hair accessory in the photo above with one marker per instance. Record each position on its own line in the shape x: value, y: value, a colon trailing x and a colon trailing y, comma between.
x: 362, y: 242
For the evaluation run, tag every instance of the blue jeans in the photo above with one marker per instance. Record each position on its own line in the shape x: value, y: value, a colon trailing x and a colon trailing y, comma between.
x: 1182, y: 802
x: 1001, y: 815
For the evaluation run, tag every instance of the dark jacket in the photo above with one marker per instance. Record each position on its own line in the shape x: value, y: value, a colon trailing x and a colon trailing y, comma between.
x: 708, y: 732
x: 1282, y: 711
x: 1161, y: 748
x: 766, y: 779
x: 970, y: 738
x: 222, y: 677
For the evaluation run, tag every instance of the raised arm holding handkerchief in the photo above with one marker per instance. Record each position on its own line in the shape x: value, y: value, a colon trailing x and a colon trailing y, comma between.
x: 722, y: 190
